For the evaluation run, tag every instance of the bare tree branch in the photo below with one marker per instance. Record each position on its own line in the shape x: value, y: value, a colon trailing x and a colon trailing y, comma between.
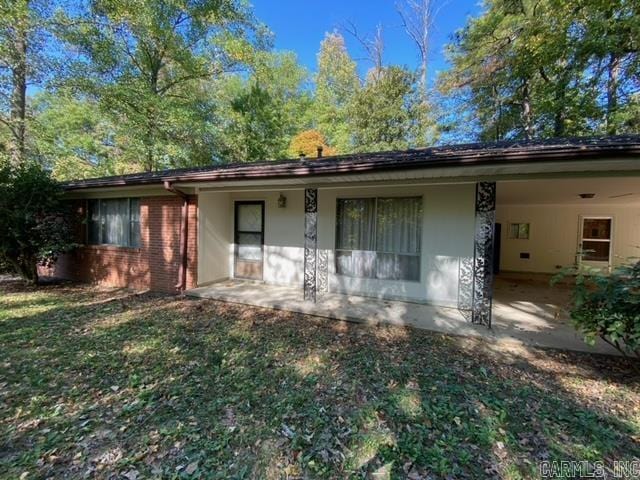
x: 372, y: 45
x: 418, y: 19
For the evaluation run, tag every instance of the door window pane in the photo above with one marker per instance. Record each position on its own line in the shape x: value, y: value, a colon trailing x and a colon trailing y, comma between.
x: 597, y: 228
x: 595, y: 251
x: 250, y: 246
x: 249, y: 217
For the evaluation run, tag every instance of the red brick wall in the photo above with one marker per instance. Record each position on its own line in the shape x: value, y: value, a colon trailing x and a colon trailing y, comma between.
x: 154, y: 266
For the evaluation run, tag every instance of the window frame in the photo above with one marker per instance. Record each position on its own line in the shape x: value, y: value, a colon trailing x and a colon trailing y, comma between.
x: 375, y: 237
x: 582, y: 239
x: 517, y: 236
x: 101, y: 222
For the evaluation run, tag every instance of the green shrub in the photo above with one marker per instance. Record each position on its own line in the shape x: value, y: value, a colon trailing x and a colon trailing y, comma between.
x: 607, y: 305
x: 36, y: 222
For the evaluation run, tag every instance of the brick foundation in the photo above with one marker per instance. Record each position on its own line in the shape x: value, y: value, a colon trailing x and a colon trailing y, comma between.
x: 154, y: 266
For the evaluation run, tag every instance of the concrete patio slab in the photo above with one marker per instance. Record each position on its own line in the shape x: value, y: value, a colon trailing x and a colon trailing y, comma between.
x: 526, y: 311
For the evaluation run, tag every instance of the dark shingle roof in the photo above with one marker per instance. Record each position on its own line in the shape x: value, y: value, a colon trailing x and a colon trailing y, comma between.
x: 450, y: 155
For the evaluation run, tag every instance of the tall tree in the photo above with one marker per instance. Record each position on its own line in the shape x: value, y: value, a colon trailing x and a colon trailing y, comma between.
x: 260, y: 113
x: 336, y: 83
x: 418, y: 19
x: 23, y: 33
x: 537, y: 68
x: 384, y: 113
x: 73, y: 138
x: 147, y: 61
x: 373, y: 46
x: 611, y: 46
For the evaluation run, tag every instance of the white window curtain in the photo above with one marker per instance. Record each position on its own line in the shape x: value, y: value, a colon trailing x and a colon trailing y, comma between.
x: 114, y: 222
x: 379, y: 238
x: 356, y: 223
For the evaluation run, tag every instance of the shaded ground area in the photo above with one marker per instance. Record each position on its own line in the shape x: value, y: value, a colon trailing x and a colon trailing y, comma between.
x: 526, y: 310
x: 102, y: 384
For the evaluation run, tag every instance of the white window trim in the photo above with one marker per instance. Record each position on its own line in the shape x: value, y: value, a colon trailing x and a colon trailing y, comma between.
x: 581, y: 239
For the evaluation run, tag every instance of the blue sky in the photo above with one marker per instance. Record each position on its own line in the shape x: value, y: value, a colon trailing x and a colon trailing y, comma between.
x: 300, y: 25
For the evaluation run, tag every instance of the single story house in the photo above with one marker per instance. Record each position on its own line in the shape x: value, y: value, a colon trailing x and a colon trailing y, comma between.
x: 428, y: 225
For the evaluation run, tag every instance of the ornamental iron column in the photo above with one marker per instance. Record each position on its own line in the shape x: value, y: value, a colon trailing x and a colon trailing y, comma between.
x: 483, y: 252
x: 322, y: 270
x: 310, y: 242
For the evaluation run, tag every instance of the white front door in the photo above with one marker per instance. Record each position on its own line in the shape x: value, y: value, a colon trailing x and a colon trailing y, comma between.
x: 595, y: 248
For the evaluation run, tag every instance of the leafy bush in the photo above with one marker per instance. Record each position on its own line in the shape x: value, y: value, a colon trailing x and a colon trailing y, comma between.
x: 36, y: 221
x: 608, y: 306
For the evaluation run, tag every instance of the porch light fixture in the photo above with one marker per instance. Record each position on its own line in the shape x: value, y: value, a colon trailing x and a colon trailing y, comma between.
x: 282, y: 201
x: 587, y: 195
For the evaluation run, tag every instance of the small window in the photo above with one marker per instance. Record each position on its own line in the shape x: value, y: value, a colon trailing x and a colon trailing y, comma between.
x: 114, y: 221
x: 379, y: 238
x: 519, y: 231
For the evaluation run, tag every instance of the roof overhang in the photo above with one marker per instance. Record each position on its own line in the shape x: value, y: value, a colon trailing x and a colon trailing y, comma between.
x: 619, y: 157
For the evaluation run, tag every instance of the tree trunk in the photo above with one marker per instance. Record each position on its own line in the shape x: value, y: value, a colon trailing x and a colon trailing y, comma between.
x: 498, y: 107
x: 559, y: 116
x: 27, y: 269
x: 19, y: 94
x: 423, y: 82
x: 527, y: 122
x: 613, y: 71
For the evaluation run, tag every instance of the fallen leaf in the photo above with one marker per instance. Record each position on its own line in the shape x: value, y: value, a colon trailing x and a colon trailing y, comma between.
x: 192, y: 467
x: 131, y: 474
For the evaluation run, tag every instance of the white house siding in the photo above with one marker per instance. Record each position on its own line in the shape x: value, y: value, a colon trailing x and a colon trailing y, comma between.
x: 447, y: 237
x: 215, y: 236
x: 283, y: 235
x: 554, y: 231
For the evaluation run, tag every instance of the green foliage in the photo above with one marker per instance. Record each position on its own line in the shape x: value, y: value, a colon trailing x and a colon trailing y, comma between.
x: 607, y: 306
x: 148, y: 63
x: 24, y: 35
x: 336, y: 84
x: 73, y: 138
x: 36, y: 222
x: 130, y: 85
x: 261, y: 114
x: 548, y: 68
x: 385, y: 113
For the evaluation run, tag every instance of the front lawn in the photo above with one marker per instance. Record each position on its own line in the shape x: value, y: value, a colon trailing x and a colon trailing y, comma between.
x: 97, y: 383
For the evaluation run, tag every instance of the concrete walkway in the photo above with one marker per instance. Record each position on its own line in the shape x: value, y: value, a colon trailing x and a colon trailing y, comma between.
x: 526, y: 311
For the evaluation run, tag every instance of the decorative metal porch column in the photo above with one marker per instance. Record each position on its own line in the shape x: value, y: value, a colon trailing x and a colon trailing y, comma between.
x: 483, y: 252
x: 310, y: 242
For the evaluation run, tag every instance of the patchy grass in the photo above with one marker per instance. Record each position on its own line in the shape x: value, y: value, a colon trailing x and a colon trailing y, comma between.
x: 101, y: 384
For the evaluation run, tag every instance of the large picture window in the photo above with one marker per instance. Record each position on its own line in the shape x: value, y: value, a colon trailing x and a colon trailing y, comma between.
x: 114, y: 221
x: 379, y: 238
